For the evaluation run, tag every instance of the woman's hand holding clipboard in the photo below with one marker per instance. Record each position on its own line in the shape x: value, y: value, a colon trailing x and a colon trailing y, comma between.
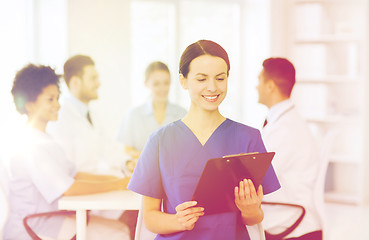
x: 215, y: 191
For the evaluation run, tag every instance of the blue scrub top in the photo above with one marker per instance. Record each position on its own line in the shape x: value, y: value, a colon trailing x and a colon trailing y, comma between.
x: 171, y: 164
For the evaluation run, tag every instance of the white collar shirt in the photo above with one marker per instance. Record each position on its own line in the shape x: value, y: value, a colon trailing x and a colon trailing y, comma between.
x: 79, y: 106
x: 86, y: 145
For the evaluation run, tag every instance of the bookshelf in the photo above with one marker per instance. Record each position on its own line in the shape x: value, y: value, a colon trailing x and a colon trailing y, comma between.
x: 327, y: 42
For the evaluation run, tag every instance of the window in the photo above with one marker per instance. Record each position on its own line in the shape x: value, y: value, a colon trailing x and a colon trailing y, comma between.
x: 153, y: 39
x: 16, y: 50
x: 162, y: 29
x: 29, y: 35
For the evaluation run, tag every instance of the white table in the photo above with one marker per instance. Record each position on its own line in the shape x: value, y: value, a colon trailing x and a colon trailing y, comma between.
x: 115, y: 200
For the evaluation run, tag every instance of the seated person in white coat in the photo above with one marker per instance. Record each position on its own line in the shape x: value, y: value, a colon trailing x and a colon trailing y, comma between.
x: 143, y: 120
x: 296, y: 161
x: 40, y: 172
x: 79, y: 131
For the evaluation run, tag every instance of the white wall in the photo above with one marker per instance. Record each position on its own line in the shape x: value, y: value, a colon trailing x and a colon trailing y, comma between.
x: 278, y: 28
x: 101, y: 30
x: 366, y: 139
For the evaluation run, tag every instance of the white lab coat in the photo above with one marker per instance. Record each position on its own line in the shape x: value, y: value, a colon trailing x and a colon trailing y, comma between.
x: 85, y: 145
x: 296, y: 164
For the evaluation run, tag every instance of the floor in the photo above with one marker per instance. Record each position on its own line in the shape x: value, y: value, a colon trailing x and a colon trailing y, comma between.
x: 347, y: 222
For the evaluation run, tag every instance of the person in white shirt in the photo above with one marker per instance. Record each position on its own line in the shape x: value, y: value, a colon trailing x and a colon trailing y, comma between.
x: 39, y: 171
x: 78, y: 130
x: 296, y: 160
x: 157, y: 112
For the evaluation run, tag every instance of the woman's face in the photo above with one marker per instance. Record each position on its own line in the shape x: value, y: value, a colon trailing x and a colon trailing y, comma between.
x: 159, y: 84
x: 206, y: 82
x: 46, y: 106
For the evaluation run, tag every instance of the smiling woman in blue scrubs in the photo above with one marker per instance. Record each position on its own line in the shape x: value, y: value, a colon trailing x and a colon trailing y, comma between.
x: 173, y: 159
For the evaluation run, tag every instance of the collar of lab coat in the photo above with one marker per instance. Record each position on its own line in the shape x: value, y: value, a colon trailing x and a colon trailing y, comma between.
x: 278, y: 110
x: 80, y: 106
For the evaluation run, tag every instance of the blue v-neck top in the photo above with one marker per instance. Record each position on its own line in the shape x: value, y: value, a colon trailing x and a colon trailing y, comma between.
x: 171, y: 164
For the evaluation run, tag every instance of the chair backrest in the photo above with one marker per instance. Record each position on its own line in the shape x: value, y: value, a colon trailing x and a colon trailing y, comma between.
x: 320, y: 183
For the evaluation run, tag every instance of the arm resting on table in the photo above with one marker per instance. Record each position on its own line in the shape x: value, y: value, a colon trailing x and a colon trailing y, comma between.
x: 94, y: 177
x: 88, y: 184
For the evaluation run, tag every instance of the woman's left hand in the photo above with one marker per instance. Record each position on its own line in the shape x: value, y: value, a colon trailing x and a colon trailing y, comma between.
x: 247, y: 200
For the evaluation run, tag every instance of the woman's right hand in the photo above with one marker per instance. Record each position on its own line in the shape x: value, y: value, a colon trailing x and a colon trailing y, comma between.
x: 187, y: 214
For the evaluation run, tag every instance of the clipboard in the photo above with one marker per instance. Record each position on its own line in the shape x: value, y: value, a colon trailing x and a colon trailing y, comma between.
x: 215, y: 189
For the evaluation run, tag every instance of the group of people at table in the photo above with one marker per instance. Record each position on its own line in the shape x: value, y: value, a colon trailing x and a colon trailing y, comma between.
x: 163, y: 149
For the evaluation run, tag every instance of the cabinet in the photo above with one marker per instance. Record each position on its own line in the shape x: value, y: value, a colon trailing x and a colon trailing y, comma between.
x: 327, y: 42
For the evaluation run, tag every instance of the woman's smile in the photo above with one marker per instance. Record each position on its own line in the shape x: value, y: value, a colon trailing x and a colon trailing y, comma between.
x: 211, y: 98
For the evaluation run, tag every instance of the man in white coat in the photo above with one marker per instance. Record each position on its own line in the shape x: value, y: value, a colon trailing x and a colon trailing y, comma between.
x: 296, y: 161
x: 78, y: 130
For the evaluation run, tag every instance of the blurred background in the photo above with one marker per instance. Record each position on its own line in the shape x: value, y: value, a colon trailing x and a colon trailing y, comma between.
x: 327, y: 40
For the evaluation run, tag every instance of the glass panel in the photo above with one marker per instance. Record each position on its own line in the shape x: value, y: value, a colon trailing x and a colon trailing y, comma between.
x: 15, y: 51
x: 219, y: 22
x: 153, y: 39
x: 29, y: 34
x: 161, y: 30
